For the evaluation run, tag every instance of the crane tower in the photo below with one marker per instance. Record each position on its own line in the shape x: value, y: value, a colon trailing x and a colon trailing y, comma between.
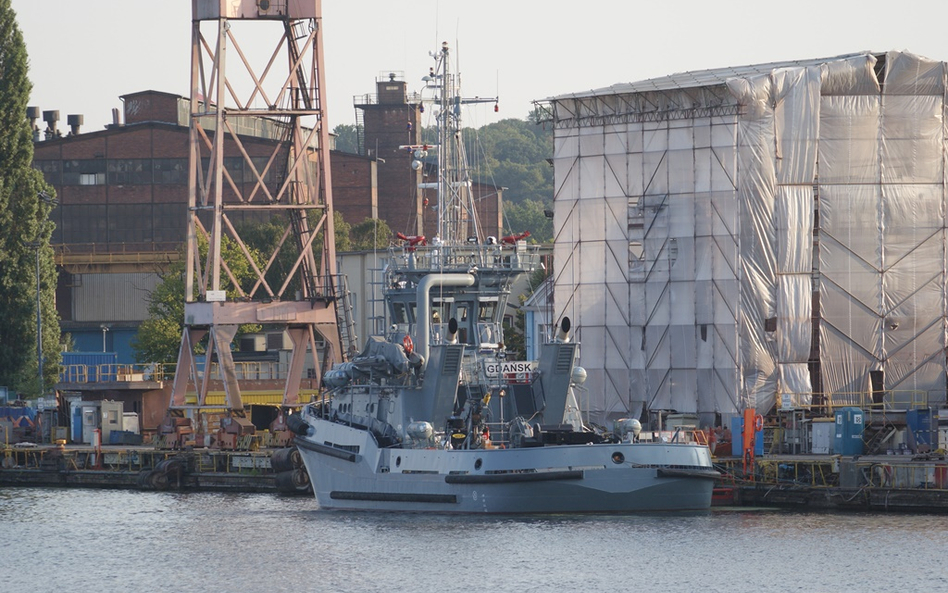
x: 281, y: 98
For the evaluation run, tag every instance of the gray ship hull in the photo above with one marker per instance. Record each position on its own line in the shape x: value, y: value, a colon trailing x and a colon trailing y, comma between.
x: 349, y: 471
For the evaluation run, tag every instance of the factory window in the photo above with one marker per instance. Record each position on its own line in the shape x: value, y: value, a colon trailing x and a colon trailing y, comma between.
x: 169, y: 221
x: 84, y: 172
x: 235, y: 168
x: 130, y: 223
x: 259, y: 163
x: 84, y: 224
x: 52, y: 171
x: 170, y: 171
x: 130, y: 171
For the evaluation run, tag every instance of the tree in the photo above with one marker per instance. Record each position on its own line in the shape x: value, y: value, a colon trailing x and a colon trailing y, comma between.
x: 512, y: 153
x: 347, y: 138
x: 515, y: 156
x: 530, y: 215
x: 371, y: 234
x: 159, y: 337
x: 342, y: 230
x: 25, y: 230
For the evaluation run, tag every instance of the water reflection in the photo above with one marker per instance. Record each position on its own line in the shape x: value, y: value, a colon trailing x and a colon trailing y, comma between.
x: 103, y: 540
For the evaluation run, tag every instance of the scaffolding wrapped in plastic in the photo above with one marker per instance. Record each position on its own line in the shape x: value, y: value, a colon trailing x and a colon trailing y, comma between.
x: 708, y: 222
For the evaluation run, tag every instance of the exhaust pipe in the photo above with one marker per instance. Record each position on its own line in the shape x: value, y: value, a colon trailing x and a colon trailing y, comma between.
x: 562, y: 332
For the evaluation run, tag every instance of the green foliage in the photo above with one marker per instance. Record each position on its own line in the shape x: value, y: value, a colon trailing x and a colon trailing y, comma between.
x: 347, y: 138
x: 514, y: 154
x: 371, y: 234
x: 516, y: 157
x: 528, y: 216
x: 342, y: 231
x: 264, y: 238
x: 159, y: 337
x: 24, y: 229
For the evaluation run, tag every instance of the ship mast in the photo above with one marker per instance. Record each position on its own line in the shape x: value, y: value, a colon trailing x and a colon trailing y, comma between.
x: 457, y: 216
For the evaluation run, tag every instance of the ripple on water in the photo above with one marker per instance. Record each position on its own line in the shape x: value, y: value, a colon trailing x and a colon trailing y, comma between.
x: 113, y: 540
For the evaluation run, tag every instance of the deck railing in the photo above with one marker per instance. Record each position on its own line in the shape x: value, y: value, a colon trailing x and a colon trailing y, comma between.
x: 112, y: 373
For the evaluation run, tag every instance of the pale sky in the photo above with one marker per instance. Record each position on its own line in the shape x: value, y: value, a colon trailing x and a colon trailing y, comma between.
x: 85, y: 54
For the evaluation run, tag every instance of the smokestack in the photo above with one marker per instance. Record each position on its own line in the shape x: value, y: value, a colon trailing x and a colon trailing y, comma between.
x: 52, y: 120
x: 32, y: 114
x: 75, y: 121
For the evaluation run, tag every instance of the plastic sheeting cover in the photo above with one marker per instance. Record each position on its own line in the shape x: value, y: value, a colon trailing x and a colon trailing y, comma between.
x: 742, y: 199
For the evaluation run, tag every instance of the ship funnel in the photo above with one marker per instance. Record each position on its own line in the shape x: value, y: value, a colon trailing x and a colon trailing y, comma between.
x: 452, y: 336
x: 562, y: 333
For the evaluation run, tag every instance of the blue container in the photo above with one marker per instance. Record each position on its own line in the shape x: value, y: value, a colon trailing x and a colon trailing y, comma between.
x: 849, y: 429
x: 737, y: 438
x: 920, y: 423
x: 81, y: 367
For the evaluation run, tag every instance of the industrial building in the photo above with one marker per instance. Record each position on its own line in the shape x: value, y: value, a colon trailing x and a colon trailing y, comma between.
x: 758, y: 236
x: 122, y: 198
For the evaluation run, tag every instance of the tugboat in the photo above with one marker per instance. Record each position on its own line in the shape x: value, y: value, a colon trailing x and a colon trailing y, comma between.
x: 433, y: 417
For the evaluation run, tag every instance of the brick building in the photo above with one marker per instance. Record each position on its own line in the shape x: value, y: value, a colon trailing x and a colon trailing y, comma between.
x: 392, y: 118
x: 123, y: 192
x: 121, y: 216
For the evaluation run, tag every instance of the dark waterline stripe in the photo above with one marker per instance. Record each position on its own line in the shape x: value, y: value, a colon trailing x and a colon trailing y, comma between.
x: 509, y: 478
x: 393, y: 497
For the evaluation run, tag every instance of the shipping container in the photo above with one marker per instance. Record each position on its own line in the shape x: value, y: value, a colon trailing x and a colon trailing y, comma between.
x: 88, y: 367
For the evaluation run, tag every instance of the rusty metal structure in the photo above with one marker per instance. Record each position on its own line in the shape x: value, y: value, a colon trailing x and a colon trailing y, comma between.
x: 229, y: 95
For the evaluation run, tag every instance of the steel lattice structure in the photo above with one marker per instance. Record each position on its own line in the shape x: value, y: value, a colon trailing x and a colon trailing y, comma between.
x: 283, y: 101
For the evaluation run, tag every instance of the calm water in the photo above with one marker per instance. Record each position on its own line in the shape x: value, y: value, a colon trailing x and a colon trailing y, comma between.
x: 102, y: 541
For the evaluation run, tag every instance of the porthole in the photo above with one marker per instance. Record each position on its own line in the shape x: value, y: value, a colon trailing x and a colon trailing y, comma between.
x: 398, y: 461
x: 478, y: 463
x: 618, y: 457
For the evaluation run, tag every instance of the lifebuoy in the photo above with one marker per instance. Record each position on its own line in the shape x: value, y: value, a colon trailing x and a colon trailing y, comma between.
x: 758, y: 423
x: 408, y: 345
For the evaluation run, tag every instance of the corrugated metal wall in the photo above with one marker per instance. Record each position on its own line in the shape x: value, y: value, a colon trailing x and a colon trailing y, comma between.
x: 112, y: 297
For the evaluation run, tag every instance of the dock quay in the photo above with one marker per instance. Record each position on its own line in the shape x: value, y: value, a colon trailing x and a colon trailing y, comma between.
x: 887, y: 483
x: 148, y: 468
x: 876, y: 483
